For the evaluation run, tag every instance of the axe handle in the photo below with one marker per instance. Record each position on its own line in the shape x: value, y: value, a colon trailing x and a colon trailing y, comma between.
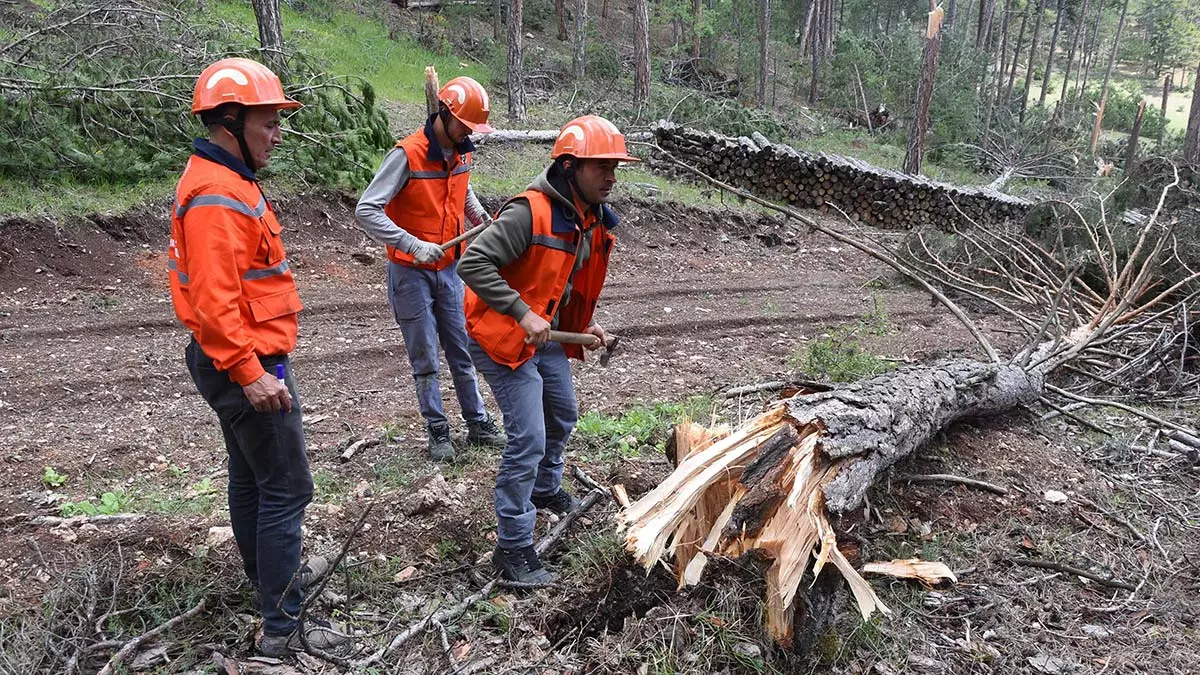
x: 466, y: 235
x: 563, y: 337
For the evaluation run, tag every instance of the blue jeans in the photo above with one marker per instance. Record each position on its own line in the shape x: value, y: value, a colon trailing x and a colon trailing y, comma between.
x: 269, y: 484
x: 538, y: 403
x: 428, y: 305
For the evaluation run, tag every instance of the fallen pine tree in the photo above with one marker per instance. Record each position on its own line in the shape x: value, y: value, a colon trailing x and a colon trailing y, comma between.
x: 776, y: 486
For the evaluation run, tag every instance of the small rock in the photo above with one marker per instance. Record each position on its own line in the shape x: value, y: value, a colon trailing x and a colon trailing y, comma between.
x: 1044, y: 663
x: 218, y: 536
x: 747, y: 650
x: 364, y: 258
x: 1092, y: 630
x: 149, y: 658
x: 1054, y: 497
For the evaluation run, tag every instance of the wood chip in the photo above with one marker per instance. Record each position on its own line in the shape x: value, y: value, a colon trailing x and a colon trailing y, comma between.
x: 928, y: 573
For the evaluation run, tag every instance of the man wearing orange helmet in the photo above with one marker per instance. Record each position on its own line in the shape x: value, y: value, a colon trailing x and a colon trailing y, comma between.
x: 417, y: 202
x: 541, y: 266
x: 232, y: 287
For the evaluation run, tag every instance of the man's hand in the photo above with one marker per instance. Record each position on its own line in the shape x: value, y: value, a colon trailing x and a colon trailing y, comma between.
x: 426, y: 253
x: 537, y: 329
x: 268, y: 394
x: 596, y: 330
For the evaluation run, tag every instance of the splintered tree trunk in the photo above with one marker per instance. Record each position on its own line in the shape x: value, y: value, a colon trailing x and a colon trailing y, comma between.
x: 1131, y: 149
x: 516, y: 62
x: 579, y: 43
x: 270, y: 32
x: 641, y: 53
x: 764, y: 31
x: 915, y: 151
x: 697, y: 13
x: 1033, y: 45
x: 1112, y: 59
x: 1191, y: 140
x: 1050, y: 56
x: 560, y: 14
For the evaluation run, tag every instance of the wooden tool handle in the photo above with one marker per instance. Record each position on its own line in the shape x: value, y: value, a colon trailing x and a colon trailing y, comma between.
x: 466, y: 235
x: 563, y: 337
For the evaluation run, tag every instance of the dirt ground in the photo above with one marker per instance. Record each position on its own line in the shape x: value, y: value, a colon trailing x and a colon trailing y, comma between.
x: 93, y: 385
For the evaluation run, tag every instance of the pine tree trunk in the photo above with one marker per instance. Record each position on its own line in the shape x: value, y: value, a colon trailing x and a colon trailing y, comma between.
x: 697, y: 13
x: 1080, y: 30
x: 497, y: 31
x: 915, y: 151
x: 806, y: 31
x: 1191, y: 140
x: 983, y: 30
x: 817, y: 51
x: 1165, y: 96
x: 1089, y: 54
x: 1131, y: 149
x: 1004, y: 25
x: 1033, y: 45
x: 1050, y: 57
x: 516, y: 62
x: 641, y: 53
x: 560, y: 13
x: 764, y: 34
x: 270, y: 32
x: 1012, y: 70
x: 1112, y: 59
x: 579, y: 43
x: 951, y: 12
x: 827, y: 38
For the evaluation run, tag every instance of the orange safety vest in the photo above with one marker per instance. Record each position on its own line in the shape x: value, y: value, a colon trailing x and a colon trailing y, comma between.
x: 231, y: 284
x: 430, y: 205
x: 540, y: 276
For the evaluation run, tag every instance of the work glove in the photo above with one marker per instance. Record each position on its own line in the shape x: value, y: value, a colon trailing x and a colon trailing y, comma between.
x: 426, y: 253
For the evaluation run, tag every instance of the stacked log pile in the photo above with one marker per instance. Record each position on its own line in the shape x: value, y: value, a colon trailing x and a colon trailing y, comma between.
x: 863, y: 192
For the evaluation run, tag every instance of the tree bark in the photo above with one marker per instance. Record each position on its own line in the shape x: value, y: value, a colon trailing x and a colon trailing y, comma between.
x: 1050, y: 56
x: 1165, y: 95
x: 764, y: 36
x: 641, y: 53
x: 560, y: 14
x: 579, y: 40
x: 270, y: 32
x: 1003, y: 61
x: 1191, y: 140
x: 1033, y: 45
x: 697, y: 14
x: 806, y: 31
x: 951, y: 14
x: 1089, y: 54
x: 1016, y: 58
x: 1131, y: 148
x: 814, y: 45
x: 983, y: 29
x: 1112, y: 59
x: 516, y: 62
x: 497, y: 31
x: 915, y: 151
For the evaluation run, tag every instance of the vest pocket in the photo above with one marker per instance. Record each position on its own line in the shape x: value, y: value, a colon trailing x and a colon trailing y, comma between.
x: 275, y: 305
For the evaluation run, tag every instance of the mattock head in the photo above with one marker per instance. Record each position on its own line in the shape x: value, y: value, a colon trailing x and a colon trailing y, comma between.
x: 609, y: 349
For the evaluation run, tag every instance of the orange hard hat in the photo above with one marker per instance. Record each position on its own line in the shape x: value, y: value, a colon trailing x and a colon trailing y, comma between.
x: 591, y: 137
x: 468, y: 101
x: 239, y: 81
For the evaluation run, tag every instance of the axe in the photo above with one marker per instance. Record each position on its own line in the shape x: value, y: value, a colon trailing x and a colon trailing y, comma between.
x: 587, y: 340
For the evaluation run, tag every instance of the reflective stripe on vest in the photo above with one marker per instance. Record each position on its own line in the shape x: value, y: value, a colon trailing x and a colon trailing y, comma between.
x: 265, y: 272
x: 174, y: 267
x: 222, y: 200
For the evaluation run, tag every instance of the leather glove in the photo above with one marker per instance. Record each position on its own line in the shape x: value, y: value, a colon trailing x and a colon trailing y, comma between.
x: 426, y: 253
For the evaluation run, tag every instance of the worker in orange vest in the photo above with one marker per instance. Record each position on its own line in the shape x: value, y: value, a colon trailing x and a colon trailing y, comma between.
x: 541, y: 266
x: 417, y: 202
x: 232, y: 287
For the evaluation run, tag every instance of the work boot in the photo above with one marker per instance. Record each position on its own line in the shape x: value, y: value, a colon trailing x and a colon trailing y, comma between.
x: 522, y: 566
x: 319, y: 635
x: 486, y: 432
x: 440, y: 447
x: 311, y: 569
x: 561, y: 502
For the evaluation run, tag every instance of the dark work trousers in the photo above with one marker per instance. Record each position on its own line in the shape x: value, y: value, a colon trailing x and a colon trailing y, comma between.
x: 269, y: 484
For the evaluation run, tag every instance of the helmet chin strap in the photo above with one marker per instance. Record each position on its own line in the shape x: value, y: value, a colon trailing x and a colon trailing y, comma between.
x: 237, y: 128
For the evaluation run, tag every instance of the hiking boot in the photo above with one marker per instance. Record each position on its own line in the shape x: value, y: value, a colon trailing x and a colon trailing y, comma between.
x: 440, y: 447
x: 319, y: 635
x: 522, y: 566
x: 486, y: 432
x: 311, y: 569
x: 561, y: 502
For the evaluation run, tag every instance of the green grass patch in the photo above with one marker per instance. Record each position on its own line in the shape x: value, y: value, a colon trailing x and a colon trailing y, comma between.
x: 839, y: 358
x: 643, y: 427
x: 63, y: 198
x: 593, y: 554
x: 356, y: 45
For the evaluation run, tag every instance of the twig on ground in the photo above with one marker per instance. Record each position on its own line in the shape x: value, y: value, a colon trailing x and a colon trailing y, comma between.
x: 362, y: 444
x: 1067, y: 569
x: 582, y: 477
x: 949, y: 478
x: 1058, y: 410
x: 55, y: 521
x: 1114, y: 517
x: 131, y: 646
x: 1116, y: 404
x: 773, y: 385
